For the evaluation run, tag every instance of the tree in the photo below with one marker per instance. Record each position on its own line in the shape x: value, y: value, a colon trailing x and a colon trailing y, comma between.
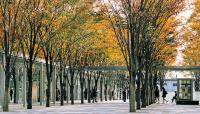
x: 30, y: 41
x: 48, y: 39
x: 136, y: 25
x: 191, y: 37
x: 11, y: 17
x: 191, y: 42
x: 73, y: 34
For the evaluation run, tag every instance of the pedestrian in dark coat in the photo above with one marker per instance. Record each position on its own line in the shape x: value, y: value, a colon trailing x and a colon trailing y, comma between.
x: 11, y: 94
x: 164, y: 94
x: 175, y: 97
x: 157, y: 95
x: 124, y: 95
x: 94, y: 95
x: 85, y: 94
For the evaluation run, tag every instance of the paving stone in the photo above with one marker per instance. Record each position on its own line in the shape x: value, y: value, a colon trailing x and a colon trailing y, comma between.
x: 109, y: 107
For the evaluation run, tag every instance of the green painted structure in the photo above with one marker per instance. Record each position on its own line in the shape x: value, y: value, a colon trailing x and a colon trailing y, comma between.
x: 40, y: 81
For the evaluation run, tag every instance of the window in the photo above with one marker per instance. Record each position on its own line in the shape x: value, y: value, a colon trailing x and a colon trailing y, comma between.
x: 174, y: 84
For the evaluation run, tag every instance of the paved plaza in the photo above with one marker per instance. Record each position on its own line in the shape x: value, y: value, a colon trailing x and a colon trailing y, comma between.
x: 110, y: 107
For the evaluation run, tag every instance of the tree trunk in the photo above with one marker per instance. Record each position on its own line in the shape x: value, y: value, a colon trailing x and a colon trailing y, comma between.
x: 64, y: 88
x: 48, y: 91
x: 96, y: 84
x: 82, y: 86
x: 15, y: 86
x: 110, y: 93
x: 49, y: 70
x: 61, y: 96
x: 67, y: 95
x: 155, y: 79
x: 61, y: 89
x: 29, y: 96
x: 154, y: 85
x: 72, y: 93
x: 105, y: 92
x: 143, y: 97
x: 89, y: 91
x: 82, y: 93
x: 151, y: 88
x: 161, y: 80
x: 113, y: 92
x: 138, y: 92
x: 147, y: 88
x: 110, y: 89
x: 132, y: 92
x: 121, y: 90
x: 72, y: 86
x: 6, y: 94
x: 48, y: 84
x: 101, y: 89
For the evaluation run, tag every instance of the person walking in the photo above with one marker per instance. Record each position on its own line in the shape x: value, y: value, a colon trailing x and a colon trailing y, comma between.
x: 112, y: 95
x: 57, y: 94
x: 85, y: 93
x: 175, y: 97
x: 164, y: 94
x: 11, y: 94
x: 124, y: 95
x: 94, y: 95
x: 156, y: 92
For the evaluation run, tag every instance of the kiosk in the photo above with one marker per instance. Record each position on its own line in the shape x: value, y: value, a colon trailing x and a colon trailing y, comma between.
x: 185, y: 92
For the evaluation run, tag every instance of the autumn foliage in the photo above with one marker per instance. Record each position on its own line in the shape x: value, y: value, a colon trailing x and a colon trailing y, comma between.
x: 78, y: 34
x: 192, y: 37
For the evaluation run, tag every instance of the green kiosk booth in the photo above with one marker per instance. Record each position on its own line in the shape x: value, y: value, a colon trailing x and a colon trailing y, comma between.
x: 185, y: 92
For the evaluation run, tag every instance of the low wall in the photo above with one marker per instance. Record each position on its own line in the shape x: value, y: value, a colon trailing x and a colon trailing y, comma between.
x: 196, y: 96
x: 170, y: 95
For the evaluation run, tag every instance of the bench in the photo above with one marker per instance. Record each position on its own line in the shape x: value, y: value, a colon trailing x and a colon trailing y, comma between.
x: 187, y: 102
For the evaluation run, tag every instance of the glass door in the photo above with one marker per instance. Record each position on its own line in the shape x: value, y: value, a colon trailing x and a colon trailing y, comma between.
x: 185, y: 89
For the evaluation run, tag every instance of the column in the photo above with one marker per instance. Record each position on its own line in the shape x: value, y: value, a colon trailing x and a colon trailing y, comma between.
x: 192, y: 91
x: 75, y: 91
x: 41, y: 84
x: 17, y: 85
x: 53, y: 91
x: 98, y: 89
x: 2, y: 79
x: 78, y: 89
x: 86, y: 85
x: 2, y: 84
x: 103, y: 92
x: 68, y: 92
x: 24, y: 87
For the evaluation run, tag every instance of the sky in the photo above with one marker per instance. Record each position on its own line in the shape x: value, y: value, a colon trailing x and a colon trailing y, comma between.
x: 184, y: 15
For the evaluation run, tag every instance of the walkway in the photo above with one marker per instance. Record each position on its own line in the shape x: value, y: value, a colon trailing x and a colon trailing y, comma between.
x: 113, y: 107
